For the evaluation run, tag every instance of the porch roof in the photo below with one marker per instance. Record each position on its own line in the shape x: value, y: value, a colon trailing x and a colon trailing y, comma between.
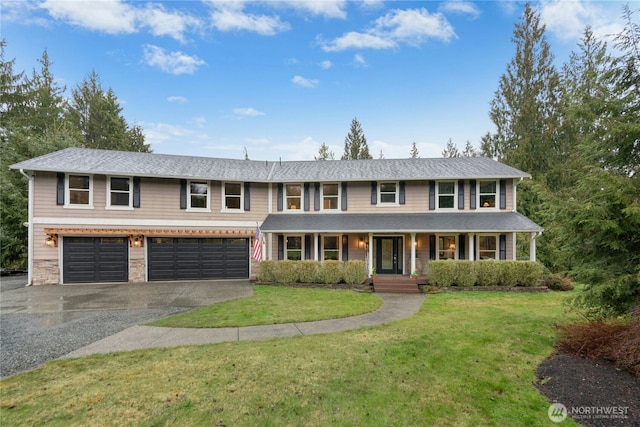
x: 456, y: 222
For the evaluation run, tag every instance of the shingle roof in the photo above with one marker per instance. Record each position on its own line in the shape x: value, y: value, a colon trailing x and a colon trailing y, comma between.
x: 400, y: 222
x: 84, y: 160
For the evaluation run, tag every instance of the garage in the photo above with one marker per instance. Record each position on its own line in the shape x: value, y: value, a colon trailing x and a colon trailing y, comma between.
x: 174, y: 258
x: 95, y: 259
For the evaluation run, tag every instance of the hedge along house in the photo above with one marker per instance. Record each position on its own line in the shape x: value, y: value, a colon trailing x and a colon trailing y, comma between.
x: 111, y: 216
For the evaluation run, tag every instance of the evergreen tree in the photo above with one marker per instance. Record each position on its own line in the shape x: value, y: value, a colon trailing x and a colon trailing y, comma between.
x: 469, y: 151
x: 355, y: 143
x: 414, y: 153
x: 451, y: 150
x: 324, y: 153
x: 525, y: 107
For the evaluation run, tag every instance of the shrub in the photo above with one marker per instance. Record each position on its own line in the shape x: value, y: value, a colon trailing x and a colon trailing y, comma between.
x: 286, y: 272
x: 487, y: 273
x: 331, y: 272
x: 465, y: 274
x: 355, y: 272
x: 508, y: 273
x: 556, y: 282
x: 306, y: 271
x: 268, y: 271
x: 528, y: 273
x: 442, y: 273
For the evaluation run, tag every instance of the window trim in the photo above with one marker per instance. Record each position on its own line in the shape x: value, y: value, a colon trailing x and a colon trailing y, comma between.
x: 396, y: 201
x: 454, y: 195
x: 497, y: 242
x: 108, y: 204
x: 67, y: 192
x: 455, y: 248
x: 286, y: 245
x: 339, y: 249
x: 286, y: 197
x: 338, y: 196
x: 224, y: 207
x: 208, y: 196
x: 496, y: 195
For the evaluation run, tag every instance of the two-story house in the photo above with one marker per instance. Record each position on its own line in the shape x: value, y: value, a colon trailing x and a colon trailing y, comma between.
x: 112, y: 216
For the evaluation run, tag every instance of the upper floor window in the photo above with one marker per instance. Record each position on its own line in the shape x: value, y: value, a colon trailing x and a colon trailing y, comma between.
x: 293, y: 196
x: 119, y: 192
x: 487, y: 247
x: 79, y: 189
x: 487, y: 194
x: 388, y: 193
x: 330, y: 196
x: 446, y: 194
x: 294, y: 248
x: 232, y: 197
x: 198, y: 195
x: 331, y: 248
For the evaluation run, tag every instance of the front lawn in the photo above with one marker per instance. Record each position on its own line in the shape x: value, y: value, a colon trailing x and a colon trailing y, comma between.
x: 467, y: 358
x: 277, y: 304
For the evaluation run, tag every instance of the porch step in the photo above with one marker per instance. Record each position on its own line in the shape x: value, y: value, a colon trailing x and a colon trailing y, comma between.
x: 395, y: 284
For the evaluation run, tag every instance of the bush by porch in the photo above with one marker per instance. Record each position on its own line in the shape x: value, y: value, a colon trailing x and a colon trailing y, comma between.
x: 484, y: 273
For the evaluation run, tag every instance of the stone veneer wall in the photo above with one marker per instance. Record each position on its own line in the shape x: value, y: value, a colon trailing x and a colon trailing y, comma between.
x: 46, y: 272
x: 136, y: 270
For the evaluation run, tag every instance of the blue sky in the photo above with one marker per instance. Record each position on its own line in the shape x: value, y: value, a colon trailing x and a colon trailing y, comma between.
x: 279, y: 78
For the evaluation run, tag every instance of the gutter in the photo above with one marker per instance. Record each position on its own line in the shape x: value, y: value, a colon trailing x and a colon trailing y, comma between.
x: 29, y: 225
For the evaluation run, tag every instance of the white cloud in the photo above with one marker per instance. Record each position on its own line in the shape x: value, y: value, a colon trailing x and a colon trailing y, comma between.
x: 230, y: 16
x: 199, y: 121
x: 171, y: 62
x: 411, y: 26
x: 326, y: 8
x: 178, y: 99
x: 248, y: 112
x: 326, y: 64
x: 460, y: 6
x: 568, y: 19
x: 304, y: 82
x: 359, y: 61
x: 118, y: 17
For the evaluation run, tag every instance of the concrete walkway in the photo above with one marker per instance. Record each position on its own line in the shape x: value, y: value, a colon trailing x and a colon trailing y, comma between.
x: 395, y: 307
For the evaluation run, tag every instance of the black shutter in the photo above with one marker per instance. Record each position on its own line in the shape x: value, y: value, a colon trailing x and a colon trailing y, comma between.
x: 503, y: 246
x: 247, y: 196
x: 280, y: 247
x: 472, y: 194
x: 308, y: 243
x: 345, y: 247
x: 60, y: 189
x: 503, y: 194
x: 306, y: 196
x: 316, y: 196
x: 374, y: 193
x: 462, y: 253
x: 136, y: 191
x: 280, y: 196
x: 343, y: 202
x: 432, y: 246
x: 402, y: 196
x: 461, y: 194
x: 183, y: 194
x: 432, y: 195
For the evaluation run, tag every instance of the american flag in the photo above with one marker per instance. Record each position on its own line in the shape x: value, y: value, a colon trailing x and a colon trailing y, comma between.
x: 257, y: 245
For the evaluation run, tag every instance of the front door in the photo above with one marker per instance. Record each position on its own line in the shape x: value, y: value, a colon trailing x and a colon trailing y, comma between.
x: 388, y: 255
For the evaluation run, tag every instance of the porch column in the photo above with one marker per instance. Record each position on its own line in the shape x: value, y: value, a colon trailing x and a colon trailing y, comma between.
x: 471, y: 249
x: 413, y: 253
x: 370, y: 252
x: 315, y: 247
x: 513, y: 246
x: 268, y: 242
x: 532, y: 246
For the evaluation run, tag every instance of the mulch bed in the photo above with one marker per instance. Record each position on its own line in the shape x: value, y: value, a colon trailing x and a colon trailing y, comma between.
x: 591, y: 390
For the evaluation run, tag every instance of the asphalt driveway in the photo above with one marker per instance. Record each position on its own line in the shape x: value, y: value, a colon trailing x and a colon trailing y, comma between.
x: 41, y: 323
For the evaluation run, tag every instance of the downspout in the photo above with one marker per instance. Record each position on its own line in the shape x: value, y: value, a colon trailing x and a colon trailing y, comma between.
x: 29, y: 225
x: 515, y: 194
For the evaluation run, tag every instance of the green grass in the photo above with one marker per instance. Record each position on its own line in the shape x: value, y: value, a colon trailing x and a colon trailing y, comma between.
x: 277, y: 304
x: 466, y: 359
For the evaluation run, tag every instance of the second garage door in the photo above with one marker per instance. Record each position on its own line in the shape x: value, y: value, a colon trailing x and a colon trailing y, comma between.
x: 171, y: 258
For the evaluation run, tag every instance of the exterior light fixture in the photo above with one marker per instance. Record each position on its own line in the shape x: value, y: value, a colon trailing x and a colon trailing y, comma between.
x: 51, y: 241
x: 136, y: 241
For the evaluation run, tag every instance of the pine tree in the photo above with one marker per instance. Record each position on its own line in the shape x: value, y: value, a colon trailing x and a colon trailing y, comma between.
x: 469, y: 151
x: 451, y: 150
x: 526, y: 104
x: 414, y: 153
x: 355, y: 143
x: 324, y: 153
